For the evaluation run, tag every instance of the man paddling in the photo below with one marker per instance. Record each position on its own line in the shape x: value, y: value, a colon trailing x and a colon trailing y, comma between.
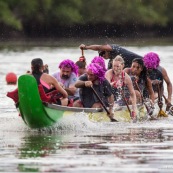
x: 67, y: 76
x: 94, y: 78
x: 110, y: 51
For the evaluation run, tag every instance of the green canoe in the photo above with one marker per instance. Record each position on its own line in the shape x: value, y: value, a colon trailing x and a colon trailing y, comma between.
x: 37, y: 114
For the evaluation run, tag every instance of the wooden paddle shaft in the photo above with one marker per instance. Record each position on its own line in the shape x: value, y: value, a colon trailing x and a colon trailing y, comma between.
x: 100, y: 100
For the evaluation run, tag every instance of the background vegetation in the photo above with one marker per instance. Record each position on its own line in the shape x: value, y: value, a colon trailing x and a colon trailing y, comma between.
x: 85, y: 18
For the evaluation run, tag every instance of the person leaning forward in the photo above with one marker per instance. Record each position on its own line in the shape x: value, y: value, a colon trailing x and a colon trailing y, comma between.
x: 95, y: 78
x: 122, y: 86
x: 110, y: 51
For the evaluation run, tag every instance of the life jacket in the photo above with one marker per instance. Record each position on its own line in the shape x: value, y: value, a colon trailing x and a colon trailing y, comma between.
x: 50, y: 97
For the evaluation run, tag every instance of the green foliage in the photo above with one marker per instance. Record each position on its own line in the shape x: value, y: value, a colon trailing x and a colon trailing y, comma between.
x: 17, y: 13
x: 7, y: 17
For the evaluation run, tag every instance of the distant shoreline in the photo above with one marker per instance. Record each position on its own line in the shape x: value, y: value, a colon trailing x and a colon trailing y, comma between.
x: 74, y: 42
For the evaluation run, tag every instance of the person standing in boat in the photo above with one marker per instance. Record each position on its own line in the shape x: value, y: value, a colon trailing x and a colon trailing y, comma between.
x: 67, y: 77
x: 158, y: 74
x: 110, y: 51
x: 94, y: 78
x: 140, y: 80
x: 122, y: 86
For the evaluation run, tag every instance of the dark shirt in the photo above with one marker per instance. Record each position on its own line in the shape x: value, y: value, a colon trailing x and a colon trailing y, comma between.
x: 156, y: 74
x: 87, y: 96
x: 127, y: 55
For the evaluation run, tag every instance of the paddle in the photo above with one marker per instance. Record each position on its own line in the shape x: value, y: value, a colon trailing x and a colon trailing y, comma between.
x: 122, y: 93
x: 108, y: 113
x: 147, y: 108
x: 160, y: 104
x: 82, y: 52
x: 169, y: 106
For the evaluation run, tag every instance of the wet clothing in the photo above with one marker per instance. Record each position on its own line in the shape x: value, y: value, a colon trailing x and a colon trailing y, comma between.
x: 156, y: 74
x: 87, y: 95
x: 141, y: 82
x: 120, y: 88
x: 128, y: 56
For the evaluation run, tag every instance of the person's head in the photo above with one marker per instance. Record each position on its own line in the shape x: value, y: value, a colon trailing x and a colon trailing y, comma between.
x: 137, y: 66
x: 81, y: 63
x: 95, y: 72
x: 118, y: 64
x: 66, y: 68
x: 100, y: 61
x: 151, y: 60
x: 37, y: 65
x: 104, y: 54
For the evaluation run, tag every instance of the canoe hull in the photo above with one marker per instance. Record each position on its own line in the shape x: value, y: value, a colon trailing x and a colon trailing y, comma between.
x: 37, y: 114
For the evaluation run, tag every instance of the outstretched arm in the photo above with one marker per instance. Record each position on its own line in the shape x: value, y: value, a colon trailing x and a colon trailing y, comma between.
x: 96, y: 47
x: 128, y: 81
x: 168, y: 82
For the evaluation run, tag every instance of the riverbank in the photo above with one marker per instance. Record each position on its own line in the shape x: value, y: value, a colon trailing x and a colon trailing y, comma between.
x: 75, y: 42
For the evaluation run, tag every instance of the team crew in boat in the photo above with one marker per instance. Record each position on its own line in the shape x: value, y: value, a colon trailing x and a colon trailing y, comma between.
x: 121, y: 83
x: 94, y: 78
x: 157, y: 74
x: 110, y: 51
x: 67, y: 77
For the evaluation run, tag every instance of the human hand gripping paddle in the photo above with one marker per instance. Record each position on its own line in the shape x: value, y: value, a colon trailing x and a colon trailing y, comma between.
x: 149, y: 110
x: 132, y: 113
x: 108, y: 113
x: 169, y: 106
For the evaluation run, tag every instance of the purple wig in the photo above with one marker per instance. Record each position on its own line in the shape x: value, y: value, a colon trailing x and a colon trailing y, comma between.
x: 100, y: 61
x: 151, y: 60
x: 69, y: 64
x: 97, y: 70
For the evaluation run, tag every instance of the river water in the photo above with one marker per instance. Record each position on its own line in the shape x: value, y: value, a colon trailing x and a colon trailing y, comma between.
x: 78, y: 145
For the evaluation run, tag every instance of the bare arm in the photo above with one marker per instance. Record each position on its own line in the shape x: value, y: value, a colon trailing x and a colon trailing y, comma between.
x: 71, y: 90
x: 58, y: 87
x: 128, y: 81
x: 168, y: 82
x: 96, y: 47
x: 81, y: 84
x: 111, y: 103
x: 150, y: 90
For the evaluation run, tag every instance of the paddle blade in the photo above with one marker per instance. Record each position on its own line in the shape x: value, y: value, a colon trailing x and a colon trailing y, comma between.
x: 162, y: 114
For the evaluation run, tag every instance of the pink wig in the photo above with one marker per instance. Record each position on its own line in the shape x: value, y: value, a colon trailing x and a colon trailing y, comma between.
x: 97, y: 70
x: 100, y: 61
x: 69, y: 64
x: 151, y: 60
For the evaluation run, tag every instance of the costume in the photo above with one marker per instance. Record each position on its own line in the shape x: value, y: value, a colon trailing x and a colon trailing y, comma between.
x: 156, y: 74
